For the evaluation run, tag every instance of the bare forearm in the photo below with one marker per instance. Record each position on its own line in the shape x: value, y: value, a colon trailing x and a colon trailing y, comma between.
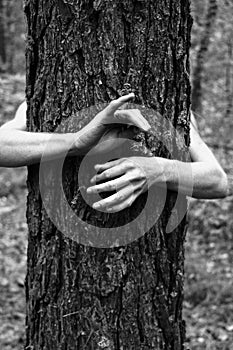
x: 198, y: 179
x: 21, y: 148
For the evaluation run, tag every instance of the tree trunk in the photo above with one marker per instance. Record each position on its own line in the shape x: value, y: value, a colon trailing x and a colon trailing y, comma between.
x: 124, y: 295
x: 2, y: 35
x: 211, y: 15
x: 229, y: 81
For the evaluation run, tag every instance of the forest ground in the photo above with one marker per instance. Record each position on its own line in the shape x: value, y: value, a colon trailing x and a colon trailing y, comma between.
x: 208, y: 305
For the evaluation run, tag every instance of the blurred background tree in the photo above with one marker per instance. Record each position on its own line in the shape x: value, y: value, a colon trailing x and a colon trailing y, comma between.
x: 202, y: 51
x: 209, y: 250
x: 2, y: 36
x: 12, y: 36
x: 212, y: 74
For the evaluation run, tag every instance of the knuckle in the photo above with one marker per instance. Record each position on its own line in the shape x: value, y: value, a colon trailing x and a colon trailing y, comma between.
x: 110, y: 187
x: 141, y: 174
x: 106, y: 174
x: 120, y: 196
x: 128, y: 163
x: 136, y: 174
x: 97, y: 179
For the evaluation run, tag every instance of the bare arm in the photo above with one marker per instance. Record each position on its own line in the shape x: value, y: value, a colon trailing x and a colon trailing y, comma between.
x: 19, y: 147
x: 207, y: 179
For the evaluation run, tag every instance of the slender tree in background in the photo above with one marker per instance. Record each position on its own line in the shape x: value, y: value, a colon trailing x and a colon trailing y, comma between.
x: 81, y: 52
x: 229, y: 79
x: 227, y: 36
x: 2, y: 35
x: 12, y: 36
x: 211, y: 14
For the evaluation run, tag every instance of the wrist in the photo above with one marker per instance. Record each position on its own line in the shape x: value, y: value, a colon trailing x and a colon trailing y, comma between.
x: 171, y: 174
x: 167, y: 169
x: 73, y: 145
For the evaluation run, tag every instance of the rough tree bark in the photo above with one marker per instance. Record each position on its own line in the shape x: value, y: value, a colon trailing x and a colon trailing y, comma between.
x: 80, y: 52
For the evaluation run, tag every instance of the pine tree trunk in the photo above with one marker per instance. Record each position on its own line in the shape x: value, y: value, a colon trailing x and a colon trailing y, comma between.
x: 81, y: 52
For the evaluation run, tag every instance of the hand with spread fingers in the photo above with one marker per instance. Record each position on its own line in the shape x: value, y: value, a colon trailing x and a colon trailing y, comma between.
x: 111, y: 124
x: 129, y: 177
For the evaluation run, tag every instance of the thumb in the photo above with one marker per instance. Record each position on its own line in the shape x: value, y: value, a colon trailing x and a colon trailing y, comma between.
x: 132, y: 117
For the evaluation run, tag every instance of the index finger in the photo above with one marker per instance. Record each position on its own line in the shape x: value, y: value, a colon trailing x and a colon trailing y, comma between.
x: 115, y: 104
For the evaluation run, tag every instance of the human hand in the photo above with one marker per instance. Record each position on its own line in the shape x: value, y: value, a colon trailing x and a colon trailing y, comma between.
x: 129, y: 177
x: 110, y: 124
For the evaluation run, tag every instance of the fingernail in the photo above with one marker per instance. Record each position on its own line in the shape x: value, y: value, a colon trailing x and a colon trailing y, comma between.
x: 92, y: 190
x: 131, y: 95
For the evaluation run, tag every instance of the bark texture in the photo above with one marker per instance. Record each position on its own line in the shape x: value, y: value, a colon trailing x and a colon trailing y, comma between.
x: 81, y: 52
